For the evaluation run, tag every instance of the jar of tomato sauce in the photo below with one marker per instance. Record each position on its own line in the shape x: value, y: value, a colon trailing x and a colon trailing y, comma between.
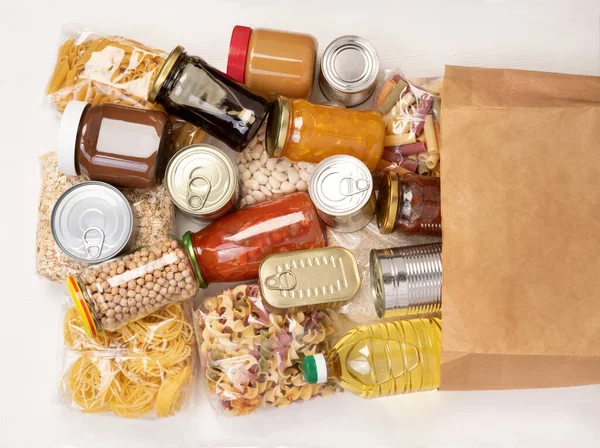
x: 308, y: 132
x: 232, y: 248
x: 410, y: 203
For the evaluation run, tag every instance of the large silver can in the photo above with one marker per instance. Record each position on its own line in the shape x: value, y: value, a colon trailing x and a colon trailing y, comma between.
x: 407, y: 281
x: 341, y: 188
x: 349, y: 69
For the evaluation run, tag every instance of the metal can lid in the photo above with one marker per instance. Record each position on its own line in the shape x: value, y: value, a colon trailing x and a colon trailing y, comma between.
x: 277, y: 126
x: 92, y: 222
x: 164, y: 72
x: 341, y: 185
x: 201, y: 179
x: 387, y: 202
x: 350, y: 64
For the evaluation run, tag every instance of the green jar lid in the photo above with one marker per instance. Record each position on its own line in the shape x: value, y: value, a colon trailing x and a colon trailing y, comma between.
x: 314, y: 369
x: 186, y: 239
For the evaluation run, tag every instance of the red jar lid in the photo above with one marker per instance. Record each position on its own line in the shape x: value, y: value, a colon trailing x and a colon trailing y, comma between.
x: 238, y: 49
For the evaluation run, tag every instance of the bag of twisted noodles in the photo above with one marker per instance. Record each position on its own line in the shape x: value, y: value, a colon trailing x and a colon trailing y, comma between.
x: 251, y: 358
x: 144, y: 369
x: 411, y: 110
x: 100, y: 69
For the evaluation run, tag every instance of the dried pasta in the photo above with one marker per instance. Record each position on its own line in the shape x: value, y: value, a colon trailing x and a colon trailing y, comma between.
x: 143, y: 367
x: 110, y: 69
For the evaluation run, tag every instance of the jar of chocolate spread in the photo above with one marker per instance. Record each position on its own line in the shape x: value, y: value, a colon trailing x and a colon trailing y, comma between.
x: 123, y: 146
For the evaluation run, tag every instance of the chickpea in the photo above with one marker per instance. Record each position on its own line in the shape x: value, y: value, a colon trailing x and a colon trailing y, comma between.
x: 131, y: 294
x: 178, y: 277
x: 131, y: 302
x: 110, y: 313
x: 171, y: 289
x: 174, y: 244
x: 140, y: 281
x: 131, y: 284
x: 156, y: 287
x: 148, y: 278
x: 120, y: 270
x: 152, y: 294
x: 118, y: 309
x: 185, y: 272
x: 146, y: 300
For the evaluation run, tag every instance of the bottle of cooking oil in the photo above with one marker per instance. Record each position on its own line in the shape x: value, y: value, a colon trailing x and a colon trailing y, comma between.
x: 382, y: 359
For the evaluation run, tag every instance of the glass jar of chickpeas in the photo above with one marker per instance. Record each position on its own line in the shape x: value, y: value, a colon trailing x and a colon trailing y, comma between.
x: 112, y: 294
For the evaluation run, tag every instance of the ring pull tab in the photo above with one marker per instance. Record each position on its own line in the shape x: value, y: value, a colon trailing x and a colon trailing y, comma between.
x: 197, y: 201
x: 282, y: 281
x: 353, y: 186
x: 94, y: 250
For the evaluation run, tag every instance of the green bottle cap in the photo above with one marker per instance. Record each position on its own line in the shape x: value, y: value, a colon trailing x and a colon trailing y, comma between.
x: 314, y: 369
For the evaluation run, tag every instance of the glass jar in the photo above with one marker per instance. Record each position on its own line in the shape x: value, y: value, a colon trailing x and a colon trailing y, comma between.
x: 189, y: 88
x: 272, y: 62
x: 112, y: 294
x: 410, y: 203
x: 308, y: 132
x: 232, y: 248
x: 123, y: 146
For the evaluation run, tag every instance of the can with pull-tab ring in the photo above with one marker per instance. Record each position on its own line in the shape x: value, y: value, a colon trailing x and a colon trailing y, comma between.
x: 341, y: 188
x: 92, y: 222
x: 202, y: 182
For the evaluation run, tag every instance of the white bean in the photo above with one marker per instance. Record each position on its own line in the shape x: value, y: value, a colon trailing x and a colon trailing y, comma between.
x: 242, y: 203
x: 283, y: 166
x: 261, y: 136
x: 269, y: 186
x: 266, y: 191
x: 265, y: 171
x: 259, y: 196
x: 256, y: 152
x: 271, y: 164
x: 251, y: 184
x: 247, y: 155
x: 302, y: 186
x: 280, y: 176
x: 260, y: 178
x: 250, y: 199
x: 305, y: 176
x: 287, y: 187
x: 310, y: 168
x: 246, y: 174
x: 240, y: 159
x: 263, y: 157
x: 302, y: 165
x: 274, y: 182
x: 293, y: 175
x: 254, y: 166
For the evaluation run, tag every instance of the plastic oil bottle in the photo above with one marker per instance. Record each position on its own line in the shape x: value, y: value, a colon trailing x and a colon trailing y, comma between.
x: 382, y: 359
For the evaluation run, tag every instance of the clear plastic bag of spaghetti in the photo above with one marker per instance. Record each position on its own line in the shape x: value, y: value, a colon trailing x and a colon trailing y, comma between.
x: 98, y: 68
x: 145, y: 369
x: 251, y: 358
x: 412, y: 112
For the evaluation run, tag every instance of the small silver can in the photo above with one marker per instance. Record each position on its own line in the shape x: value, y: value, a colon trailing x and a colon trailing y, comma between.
x: 341, y: 188
x: 349, y: 69
x: 407, y: 281
x: 92, y: 222
x: 202, y: 182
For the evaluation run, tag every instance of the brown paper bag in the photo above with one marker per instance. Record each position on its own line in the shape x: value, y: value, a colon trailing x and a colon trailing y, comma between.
x: 521, y: 229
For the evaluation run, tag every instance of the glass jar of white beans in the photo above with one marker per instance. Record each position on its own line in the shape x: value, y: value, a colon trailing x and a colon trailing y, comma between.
x: 114, y: 293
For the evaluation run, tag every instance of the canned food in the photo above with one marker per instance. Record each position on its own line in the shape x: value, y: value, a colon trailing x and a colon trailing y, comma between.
x: 202, y: 182
x: 308, y: 279
x: 349, y: 69
x: 92, y: 222
x: 341, y: 188
x: 407, y: 281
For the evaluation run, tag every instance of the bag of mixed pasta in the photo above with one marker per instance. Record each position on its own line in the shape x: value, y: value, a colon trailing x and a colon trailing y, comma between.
x: 145, y: 369
x: 100, y: 69
x: 152, y: 208
x: 411, y: 111
x: 251, y: 358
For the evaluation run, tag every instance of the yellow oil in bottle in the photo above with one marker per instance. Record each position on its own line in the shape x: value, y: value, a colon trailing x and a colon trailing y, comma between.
x: 382, y: 359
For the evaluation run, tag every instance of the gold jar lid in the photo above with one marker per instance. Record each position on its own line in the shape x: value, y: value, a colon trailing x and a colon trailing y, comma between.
x: 164, y: 72
x: 277, y: 126
x: 387, y: 203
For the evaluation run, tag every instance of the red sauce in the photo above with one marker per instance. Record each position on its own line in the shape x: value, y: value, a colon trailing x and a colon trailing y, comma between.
x: 419, y: 206
x: 232, y: 248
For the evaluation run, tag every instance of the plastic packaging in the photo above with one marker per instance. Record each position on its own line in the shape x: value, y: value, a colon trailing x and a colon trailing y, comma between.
x: 411, y: 113
x: 264, y: 178
x: 144, y: 369
x: 361, y: 308
x: 251, y: 358
x: 117, y: 292
x: 152, y: 209
x: 98, y: 68
x: 382, y: 359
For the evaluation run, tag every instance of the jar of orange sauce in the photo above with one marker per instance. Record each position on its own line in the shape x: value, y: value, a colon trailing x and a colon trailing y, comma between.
x: 272, y: 62
x: 308, y: 132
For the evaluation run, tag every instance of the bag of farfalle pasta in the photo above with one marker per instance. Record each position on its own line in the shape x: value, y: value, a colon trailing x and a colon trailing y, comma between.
x: 144, y: 369
x: 251, y: 358
x: 99, y: 68
x: 411, y: 111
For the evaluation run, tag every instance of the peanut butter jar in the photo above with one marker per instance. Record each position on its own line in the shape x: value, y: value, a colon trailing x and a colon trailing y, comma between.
x: 272, y: 62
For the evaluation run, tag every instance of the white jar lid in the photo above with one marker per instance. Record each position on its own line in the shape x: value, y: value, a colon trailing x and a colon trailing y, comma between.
x: 67, y: 136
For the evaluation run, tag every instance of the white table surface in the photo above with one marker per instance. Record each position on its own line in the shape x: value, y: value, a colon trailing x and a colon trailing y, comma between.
x: 418, y: 37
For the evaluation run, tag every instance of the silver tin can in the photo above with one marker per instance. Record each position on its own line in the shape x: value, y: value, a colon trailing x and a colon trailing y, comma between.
x: 349, y: 69
x: 407, y: 281
x: 202, y: 182
x: 92, y: 222
x: 341, y: 188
